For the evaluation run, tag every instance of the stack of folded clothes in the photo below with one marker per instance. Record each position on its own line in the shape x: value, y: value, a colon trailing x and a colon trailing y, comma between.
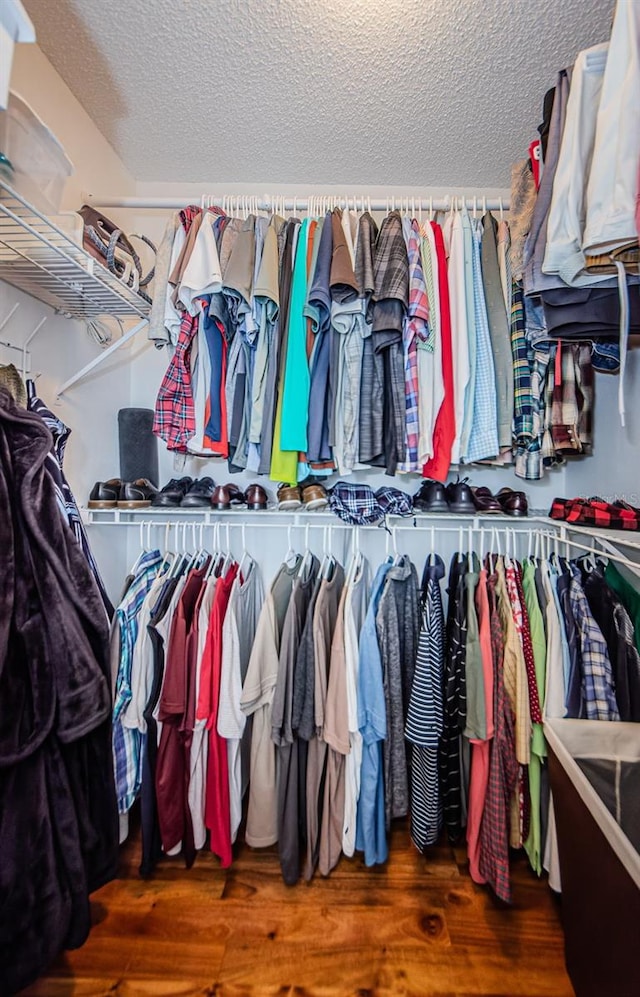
x: 596, y: 512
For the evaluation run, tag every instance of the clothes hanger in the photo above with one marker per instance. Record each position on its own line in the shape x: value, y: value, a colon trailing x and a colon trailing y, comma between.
x: 228, y: 559
x: 291, y: 556
x: 330, y: 560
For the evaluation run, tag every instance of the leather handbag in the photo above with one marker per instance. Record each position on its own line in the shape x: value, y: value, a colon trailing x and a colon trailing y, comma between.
x: 108, y: 244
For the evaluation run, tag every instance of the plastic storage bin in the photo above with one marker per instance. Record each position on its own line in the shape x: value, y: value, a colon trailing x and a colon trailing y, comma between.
x: 595, y: 779
x: 40, y: 164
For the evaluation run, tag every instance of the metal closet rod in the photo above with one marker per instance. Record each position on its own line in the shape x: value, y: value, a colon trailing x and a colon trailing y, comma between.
x: 271, y: 202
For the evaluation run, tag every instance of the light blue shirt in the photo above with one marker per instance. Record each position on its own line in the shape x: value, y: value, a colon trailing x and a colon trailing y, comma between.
x: 483, y: 439
x: 371, y: 837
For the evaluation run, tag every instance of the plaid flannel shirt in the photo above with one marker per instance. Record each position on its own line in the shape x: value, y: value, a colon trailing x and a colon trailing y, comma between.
x: 522, y: 391
x: 355, y: 504
x: 571, y: 408
x: 594, y: 512
x: 127, y: 742
x: 597, y: 675
x: 174, y: 417
x: 416, y: 329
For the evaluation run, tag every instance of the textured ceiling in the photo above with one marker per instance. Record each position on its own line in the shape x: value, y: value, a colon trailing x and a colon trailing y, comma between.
x: 435, y: 92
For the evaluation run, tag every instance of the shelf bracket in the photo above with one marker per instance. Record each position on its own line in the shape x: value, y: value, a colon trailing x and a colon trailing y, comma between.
x: 97, y: 361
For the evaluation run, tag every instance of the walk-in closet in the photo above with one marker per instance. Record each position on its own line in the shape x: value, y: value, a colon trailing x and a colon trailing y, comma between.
x: 319, y: 498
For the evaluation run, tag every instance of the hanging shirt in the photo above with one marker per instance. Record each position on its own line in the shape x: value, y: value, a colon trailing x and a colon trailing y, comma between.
x: 325, y: 615
x: 354, y: 613
x: 597, y: 677
x: 372, y: 719
x: 256, y: 700
x: 282, y: 721
x: 127, y: 741
x: 200, y: 741
x: 336, y: 736
x: 483, y: 438
x: 430, y: 373
x: 238, y: 632
x: 503, y: 769
x: 295, y: 402
x: 397, y: 626
x: 415, y: 331
x: 217, y: 812
x: 444, y: 431
x: 425, y: 717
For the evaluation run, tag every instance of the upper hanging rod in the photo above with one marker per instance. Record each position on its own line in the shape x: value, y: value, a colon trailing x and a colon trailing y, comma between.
x: 273, y: 202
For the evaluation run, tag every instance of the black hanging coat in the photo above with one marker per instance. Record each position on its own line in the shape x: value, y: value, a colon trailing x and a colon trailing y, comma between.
x: 58, y: 814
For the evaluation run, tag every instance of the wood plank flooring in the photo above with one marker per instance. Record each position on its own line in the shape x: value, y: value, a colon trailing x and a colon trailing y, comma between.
x: 417, y: 927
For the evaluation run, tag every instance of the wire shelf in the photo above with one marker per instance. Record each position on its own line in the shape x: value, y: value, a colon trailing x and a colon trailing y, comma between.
x: 39, y: 258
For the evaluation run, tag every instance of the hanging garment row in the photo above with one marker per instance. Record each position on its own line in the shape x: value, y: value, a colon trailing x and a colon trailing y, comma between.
x: 337, y: 703
x: 575, y: 248
x: 304, y: 347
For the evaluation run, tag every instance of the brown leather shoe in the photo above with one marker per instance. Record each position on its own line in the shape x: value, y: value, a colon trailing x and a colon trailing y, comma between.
x: 513, y: 503
x: 256, y: 497
x: 224, y: 495
x: 315, y: 496
x: 485, y: 501
x: 289, y: 497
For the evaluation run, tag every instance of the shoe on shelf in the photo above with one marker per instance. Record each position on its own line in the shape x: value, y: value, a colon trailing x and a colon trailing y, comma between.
x: 105, y: 494
x: 289, y: 497
x: 256, y: 497
x: 460, y: 497
x: 513, y: 503
x: 431, y: 497
x: 224, y: 495
x: 173, y: 493
x: 199, y: 494
x: 136, y: 494
x: 314, y: 496
x: 485, y: 501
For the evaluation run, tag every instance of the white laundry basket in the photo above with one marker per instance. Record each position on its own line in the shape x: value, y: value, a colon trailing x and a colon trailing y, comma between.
x: 595, y: 779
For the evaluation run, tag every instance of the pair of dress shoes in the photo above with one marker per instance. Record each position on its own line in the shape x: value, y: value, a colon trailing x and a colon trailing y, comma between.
x: 458, y: 497
x: 506, y: 502
x: 114, y: 493
x: 433, y: 496
x: 205, y: 494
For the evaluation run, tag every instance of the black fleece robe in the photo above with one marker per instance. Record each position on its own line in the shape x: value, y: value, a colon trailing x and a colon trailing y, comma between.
x: 58, y: 813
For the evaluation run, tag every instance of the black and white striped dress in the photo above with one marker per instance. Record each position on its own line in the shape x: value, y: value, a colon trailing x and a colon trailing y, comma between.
x: 425, y: 719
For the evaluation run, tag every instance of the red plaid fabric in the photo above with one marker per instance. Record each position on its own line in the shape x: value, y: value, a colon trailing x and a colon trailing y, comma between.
x: 503, y: 769
x: 174, y: 418
x: 595, y: 512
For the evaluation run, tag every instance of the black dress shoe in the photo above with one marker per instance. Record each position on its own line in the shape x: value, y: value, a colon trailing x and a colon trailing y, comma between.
x: 173, y: 492
x: 199, y: 494
x: 136, y: 494
x: 104, y: 494
x: 460, y: 497
x: 431, y: 497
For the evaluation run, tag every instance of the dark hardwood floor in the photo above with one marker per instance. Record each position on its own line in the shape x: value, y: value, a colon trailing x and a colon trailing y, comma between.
x: 416, y: 927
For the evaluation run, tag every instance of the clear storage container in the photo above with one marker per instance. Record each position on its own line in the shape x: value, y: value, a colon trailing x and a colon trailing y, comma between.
x: 40, y: 165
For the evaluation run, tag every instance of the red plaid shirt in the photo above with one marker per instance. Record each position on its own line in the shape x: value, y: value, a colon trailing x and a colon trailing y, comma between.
x: 174, y: 418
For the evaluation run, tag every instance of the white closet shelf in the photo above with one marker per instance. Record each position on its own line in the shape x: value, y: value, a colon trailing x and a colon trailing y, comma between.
x: 39, y: 258
x: 135, y: 517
